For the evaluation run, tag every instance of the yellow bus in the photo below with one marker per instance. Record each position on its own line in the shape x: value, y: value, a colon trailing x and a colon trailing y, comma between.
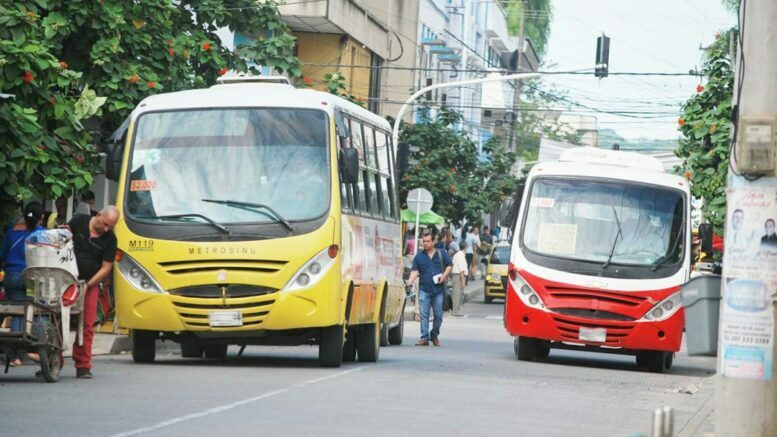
x: 254, y: 213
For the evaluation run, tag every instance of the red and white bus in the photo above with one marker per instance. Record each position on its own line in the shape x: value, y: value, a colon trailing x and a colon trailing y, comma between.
x: 600, y: 248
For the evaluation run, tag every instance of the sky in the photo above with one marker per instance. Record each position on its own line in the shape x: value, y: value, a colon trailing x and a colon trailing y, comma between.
x: 662, y: 36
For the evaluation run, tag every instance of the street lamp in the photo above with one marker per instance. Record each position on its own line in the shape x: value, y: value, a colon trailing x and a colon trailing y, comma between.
x: 403, y: 109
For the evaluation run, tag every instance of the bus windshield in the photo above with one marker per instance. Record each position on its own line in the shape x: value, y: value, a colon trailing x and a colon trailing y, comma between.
x: 216, y: 163
x: 604, y: 222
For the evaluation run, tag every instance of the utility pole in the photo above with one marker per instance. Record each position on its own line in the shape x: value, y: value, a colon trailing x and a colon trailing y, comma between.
x: 517, y: 87
x: 746, y: 390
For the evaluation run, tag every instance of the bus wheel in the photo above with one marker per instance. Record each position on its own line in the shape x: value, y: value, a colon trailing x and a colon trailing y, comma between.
x: 143, y: 345
x: 659, y: 361
x: 191, y: 349
x: 655, y: 361
x: 349, y: 348
x: 368, y: 342
x: 384, y: 333
x: 396, y: 333
x: 216, y: 351
x: 330, y: 350
x: 525, y: 348
x: 543, y: 350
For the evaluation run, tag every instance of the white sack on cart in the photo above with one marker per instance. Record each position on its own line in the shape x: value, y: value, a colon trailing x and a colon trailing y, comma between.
x: 51, y: 248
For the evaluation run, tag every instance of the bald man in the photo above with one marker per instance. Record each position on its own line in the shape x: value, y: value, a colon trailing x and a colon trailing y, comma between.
x: 95, y: 248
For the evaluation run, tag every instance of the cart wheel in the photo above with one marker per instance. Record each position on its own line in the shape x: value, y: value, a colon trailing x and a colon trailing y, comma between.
x: 49, y: 350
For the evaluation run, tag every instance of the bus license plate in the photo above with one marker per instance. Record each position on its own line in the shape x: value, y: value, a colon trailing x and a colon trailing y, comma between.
x: 225, y: 318
x: 593, y: 334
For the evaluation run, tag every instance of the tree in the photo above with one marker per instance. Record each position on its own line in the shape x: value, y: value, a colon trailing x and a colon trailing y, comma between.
x: 539, y: 15
x: 705, y: 125
x: 464, y: 185
x: 44, y: 147
x: 58, y: 56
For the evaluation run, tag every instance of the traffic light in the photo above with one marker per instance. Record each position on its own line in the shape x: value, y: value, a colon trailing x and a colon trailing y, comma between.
x: 406, y: 157
x: 602, y: 56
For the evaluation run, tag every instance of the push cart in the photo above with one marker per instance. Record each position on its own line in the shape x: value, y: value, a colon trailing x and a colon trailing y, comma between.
x: 54, y: 305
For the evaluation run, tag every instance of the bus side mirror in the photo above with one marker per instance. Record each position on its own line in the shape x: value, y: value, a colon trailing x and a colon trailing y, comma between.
x: 705, y: 238
x: 349, y: 165
x: 113, y: 162
x: 115, y: 152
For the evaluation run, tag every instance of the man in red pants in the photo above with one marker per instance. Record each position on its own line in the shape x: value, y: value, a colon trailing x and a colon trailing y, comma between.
x: 94, y: 245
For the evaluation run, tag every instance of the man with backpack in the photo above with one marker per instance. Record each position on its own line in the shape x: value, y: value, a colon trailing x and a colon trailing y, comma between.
x: 431, y: 267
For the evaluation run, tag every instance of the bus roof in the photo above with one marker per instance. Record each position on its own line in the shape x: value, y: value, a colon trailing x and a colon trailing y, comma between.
x: 239, y: 94
x: 595, y: 155
x: 590, y: 162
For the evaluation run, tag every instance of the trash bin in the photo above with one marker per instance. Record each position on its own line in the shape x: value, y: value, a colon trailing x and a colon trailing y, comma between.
x: 701, y: 299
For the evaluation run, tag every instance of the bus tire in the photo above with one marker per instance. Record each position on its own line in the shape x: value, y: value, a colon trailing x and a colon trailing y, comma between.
x: 349, y: 348
x: 143, y: 346
x: 384, y: 333
x: 525, y: 348
x: 215, y: 351
x: 191, y: 349
x: 368, y: 343
x: 330, y: 349
x: 396, y: 333
x: 659, y: 361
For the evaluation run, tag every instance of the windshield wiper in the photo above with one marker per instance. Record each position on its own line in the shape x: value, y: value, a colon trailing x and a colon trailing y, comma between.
x: 614, y: 243
x: 664, y: 258
x: 275, y: 216
x: 215, y: 224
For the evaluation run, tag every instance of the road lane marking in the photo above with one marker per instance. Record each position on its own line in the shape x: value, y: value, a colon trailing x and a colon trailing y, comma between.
x: 225, y: 407
x: 494, y: 317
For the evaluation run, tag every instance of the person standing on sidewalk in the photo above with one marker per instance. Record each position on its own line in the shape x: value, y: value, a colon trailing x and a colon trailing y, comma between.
x: 14, y: 262
x: 459, y: 277
x: 431, y: 267
x: 94, y: 245
x: 473, y: 242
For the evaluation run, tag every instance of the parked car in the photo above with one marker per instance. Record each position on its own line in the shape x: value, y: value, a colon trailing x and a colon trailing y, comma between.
x: 496, y: 272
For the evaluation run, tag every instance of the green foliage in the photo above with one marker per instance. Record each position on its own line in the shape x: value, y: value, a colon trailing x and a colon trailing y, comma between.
x: 335, y: 84
x: 68, y: 60
x: 705, y: 127
x: 44, y: 148
x: 539, y: 15
x: 464, y: 185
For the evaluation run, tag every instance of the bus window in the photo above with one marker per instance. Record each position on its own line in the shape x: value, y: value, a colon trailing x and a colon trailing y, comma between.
x: 369, y: 148
x: 374, y: 193
x: 386, y: 198
x: 357, y: 139
x: 383, y: 152
x: 360, y: 193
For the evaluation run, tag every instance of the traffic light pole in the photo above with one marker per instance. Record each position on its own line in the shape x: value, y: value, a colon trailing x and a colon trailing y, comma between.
x: 746, y: 389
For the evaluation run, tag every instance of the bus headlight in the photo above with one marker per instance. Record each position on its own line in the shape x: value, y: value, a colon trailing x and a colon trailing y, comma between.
x: 136, y: 275
x: 313, y: 270
x: 525, y: 292
x: 664, y: 309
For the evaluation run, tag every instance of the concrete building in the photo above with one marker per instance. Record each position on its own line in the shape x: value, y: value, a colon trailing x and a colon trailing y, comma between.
x: 466, y: 39
x: 340, y: 36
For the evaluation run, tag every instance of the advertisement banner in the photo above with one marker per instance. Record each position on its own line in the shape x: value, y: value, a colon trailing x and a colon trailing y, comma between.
x: 750, y: 281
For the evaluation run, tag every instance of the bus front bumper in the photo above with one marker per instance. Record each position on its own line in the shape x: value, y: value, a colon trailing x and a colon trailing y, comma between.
x: 319, y: 305
x: 521, y: 320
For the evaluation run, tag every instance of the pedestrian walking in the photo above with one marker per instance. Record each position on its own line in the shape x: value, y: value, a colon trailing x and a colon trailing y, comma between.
x: 94, y: 245
x: 431, y: 267
x: 473, y: 242
x: 14, y: 261
x: 459, y: 277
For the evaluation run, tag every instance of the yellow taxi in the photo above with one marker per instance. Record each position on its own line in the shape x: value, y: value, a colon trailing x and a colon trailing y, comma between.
x: 496, y: 271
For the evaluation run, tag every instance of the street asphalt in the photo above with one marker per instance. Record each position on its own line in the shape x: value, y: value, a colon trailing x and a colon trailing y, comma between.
x: 471, y: 385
